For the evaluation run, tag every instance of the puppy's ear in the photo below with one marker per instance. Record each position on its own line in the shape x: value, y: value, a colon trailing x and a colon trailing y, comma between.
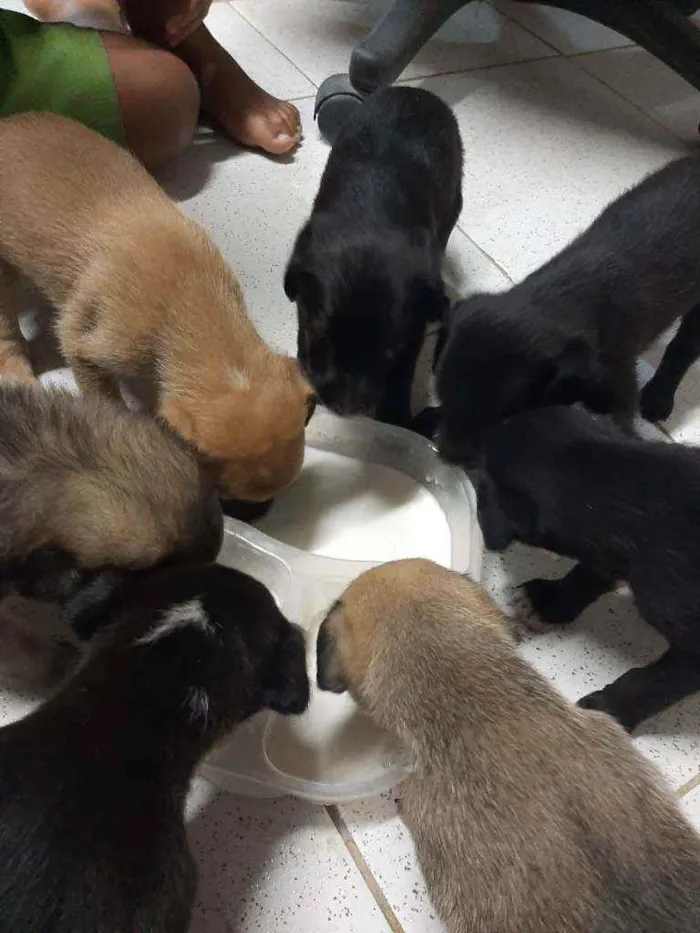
x: 177, y: 417
x: 570, y: 376
x: 288, y: 690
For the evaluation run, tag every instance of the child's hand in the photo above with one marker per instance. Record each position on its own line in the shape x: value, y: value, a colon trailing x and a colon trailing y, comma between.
x: 183, y: 23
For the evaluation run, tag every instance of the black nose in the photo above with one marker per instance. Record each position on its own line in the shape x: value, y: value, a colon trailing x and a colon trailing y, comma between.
x: 311, y: 403
x: 245, y: 511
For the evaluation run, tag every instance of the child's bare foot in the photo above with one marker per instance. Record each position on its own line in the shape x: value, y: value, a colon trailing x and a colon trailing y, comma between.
x: 249, y: 114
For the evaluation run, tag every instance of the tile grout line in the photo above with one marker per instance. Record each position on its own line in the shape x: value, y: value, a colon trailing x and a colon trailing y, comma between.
x: 527, y: 29
x: 367, y: 876
x: 630, y: 103
x: 688, y: 787
x: 231, y: 6
x: 483, y: 252
x: 469, y: 71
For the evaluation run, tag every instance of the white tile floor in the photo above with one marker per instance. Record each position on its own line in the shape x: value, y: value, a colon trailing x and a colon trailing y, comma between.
x: 557, y: 116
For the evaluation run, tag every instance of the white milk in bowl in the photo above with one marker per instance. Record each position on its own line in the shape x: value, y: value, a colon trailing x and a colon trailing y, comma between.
x: 333, y: 741
x: 350, y: 509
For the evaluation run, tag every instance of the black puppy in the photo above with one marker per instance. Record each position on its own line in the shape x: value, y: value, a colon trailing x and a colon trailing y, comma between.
x: 628, y: 509
x: 93, y: 784
x: 366, y: 268
x: 572, y: 330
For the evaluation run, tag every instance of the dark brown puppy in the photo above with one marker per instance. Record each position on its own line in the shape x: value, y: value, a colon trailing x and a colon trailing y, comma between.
x: 628, y: 509
x: 86, y: 484
x: 529, y: 815
x: 93, y: 784
x: 365, y: 272
x: 572, y: 331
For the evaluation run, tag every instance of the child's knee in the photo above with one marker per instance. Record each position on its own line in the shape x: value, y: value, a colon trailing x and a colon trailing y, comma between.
x: 158, y: 98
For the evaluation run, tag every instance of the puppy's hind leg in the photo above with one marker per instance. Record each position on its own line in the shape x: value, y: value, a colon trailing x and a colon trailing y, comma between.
x: 83, y: 345
x: 14, y: 359
x: 559, y: 602
x: 658, y: 395
x: 645, y: 691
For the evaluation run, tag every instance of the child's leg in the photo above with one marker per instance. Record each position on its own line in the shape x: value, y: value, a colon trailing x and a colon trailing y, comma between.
x: 136, y: 95
x: 249, y: 114
x: 157, y: 95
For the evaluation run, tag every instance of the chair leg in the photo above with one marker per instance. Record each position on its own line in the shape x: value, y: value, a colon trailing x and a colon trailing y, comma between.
x: 659, y: 26
x: 397, y: 37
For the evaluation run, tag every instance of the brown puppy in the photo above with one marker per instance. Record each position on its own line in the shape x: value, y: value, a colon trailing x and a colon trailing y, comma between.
x: 529, y: 815
x: 85, y: 484
x: 141, y: 290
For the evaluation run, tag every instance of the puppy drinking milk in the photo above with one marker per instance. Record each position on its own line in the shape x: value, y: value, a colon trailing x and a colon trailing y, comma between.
x: 528, y: 815
x: 572, y: 330
x: 365, y: 272
x: 93, y: 783
x: 85, y: 484
x: 140, y: 290
x: 627, y: 509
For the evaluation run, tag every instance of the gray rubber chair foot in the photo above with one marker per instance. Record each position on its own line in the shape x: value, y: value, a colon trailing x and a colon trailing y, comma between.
x: 336, y: 100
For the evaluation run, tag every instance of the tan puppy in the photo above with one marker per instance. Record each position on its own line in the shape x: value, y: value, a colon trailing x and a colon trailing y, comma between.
x: 141, y: 290
x: 529, y: 815
x: 85, y: 484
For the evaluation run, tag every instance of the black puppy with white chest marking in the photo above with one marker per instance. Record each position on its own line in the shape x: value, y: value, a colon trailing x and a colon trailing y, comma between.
x: 365, y: 272
x: 93, y: 784
x: 628, y: 509
x: 572, y: 330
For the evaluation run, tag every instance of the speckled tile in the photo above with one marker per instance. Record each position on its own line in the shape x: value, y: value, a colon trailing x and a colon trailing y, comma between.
x: 690, y: 804
x: 263, y: 62
x: 546, y: 148
x: 650, y: 85
x: 319, y: 36
x: 567, y: 32
x: 275, y: 865
x: 388, y: 849
x: 253, y: 207
x: 608, y: 639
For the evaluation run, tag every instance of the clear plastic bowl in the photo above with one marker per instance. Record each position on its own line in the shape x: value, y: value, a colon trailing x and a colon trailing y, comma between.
x: 304, y: 585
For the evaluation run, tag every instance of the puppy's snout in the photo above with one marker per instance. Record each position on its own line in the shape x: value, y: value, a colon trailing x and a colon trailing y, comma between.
x: 464, y: 455
x: 329, y: 675
x: 245, y: 511
x: 311, y: 404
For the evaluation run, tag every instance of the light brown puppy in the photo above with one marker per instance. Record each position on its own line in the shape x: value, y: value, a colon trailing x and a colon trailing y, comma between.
x: 141, y: 290
x: 85, y: 484
x: 529, y: 815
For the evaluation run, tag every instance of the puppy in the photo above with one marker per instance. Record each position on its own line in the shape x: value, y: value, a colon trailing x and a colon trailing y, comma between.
x: 93, y: 784
x: 528, y: 814
x: 627, y: 509
x: 365, y: 271
x: 85, y: 484
x: 572, y: 330
x: 140, y: 290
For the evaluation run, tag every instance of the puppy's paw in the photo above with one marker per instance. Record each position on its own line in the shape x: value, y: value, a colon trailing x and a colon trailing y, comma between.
x: 545, y: 605
x: 655, y: 403
x: 602, y: 702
